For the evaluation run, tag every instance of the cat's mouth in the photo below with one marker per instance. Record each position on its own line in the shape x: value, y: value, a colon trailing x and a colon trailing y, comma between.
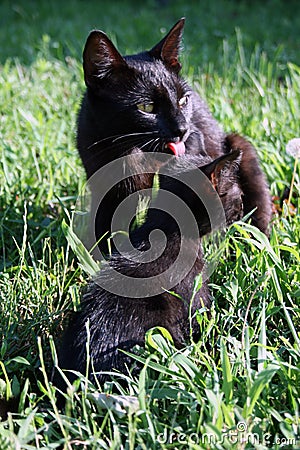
x: 177, y: 148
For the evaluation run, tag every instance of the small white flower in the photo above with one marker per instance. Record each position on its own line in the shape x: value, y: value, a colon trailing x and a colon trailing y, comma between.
x: 293, y: 147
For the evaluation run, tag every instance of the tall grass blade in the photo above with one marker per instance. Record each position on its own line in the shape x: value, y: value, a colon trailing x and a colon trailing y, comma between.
x: 227, y: 386
x: 86, y: 261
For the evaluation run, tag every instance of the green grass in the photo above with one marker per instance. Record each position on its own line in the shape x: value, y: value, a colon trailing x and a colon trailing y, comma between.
x: 241, y: 381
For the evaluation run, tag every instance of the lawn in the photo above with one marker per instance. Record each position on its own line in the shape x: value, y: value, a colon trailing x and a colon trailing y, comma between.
x: 239, y: 386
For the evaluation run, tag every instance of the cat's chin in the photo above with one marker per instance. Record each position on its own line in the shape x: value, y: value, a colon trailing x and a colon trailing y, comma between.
x: 177, y: 148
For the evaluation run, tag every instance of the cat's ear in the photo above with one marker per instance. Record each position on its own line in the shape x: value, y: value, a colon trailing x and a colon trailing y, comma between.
x: 100, y: 57
x: 169, y: 47
x: 224, y: 167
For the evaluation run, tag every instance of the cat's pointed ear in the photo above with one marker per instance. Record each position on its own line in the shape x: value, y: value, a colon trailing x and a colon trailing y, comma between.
x: 226, y: 167
x: 100, y: 57
x: 169, y: 47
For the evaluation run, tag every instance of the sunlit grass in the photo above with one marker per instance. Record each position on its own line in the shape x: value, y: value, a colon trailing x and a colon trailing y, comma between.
x: 243, y: 375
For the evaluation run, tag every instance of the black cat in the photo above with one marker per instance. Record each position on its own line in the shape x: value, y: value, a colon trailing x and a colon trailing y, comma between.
x: 139, y: 103
x: 118, y: 322
x: 135, y: 105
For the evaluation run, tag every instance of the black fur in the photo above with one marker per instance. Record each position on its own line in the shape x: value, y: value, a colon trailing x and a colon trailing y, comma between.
x: 132, y: 105
x: 110, y: 124
x: 117, y: 322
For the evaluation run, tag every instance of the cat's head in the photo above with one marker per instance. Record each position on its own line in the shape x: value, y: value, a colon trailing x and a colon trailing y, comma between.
x: 136, y: 102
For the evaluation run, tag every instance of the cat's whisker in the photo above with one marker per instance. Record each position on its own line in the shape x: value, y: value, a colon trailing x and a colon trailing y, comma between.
x: 150, y: 143
x: 114, y: 138
x: 100, y: 141
x: 132, y: 143
x: 122, y: 147
x: 109, y: 138
x: 135, y: 134
x: 155, y: 145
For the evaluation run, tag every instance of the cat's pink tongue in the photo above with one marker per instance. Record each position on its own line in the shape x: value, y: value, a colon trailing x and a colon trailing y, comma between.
x: 178, y: 148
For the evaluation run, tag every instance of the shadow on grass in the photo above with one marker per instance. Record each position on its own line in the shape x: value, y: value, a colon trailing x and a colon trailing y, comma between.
x: 63, y: 27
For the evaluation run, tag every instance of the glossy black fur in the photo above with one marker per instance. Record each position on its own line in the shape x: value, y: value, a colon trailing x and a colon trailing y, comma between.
x: 110, y: 124
x: 117, y: 322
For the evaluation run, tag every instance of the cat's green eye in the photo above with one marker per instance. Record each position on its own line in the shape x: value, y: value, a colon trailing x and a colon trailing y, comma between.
x: 145, y: 107
x: 183, y: 101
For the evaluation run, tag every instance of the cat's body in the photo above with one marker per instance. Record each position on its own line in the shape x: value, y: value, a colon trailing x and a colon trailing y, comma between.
x: 134, y: 105
x: 111, y: 123
x: 118, y: 322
